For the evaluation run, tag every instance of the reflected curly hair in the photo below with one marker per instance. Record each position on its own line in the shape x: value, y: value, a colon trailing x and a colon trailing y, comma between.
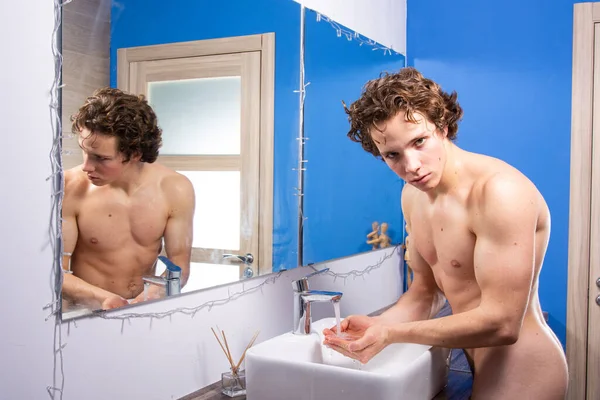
x: 128, y: 117
x: 407, y: 91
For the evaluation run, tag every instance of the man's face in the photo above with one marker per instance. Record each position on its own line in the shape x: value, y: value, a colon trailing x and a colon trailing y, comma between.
x: 416, y: 152
x: 102, y: 163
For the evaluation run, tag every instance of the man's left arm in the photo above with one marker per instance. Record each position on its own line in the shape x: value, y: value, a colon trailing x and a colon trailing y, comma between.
x: 504, y: 266
x: 178, y: 233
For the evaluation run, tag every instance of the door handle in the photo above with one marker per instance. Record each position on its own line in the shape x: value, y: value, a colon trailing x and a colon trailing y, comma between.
x: 247, y: 259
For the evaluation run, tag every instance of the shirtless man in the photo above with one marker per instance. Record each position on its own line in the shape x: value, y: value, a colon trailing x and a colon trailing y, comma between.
x: 119, y: 205
x: 478, y: 234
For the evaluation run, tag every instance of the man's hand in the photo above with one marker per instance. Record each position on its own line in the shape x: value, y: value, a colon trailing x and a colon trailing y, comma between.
x: 361, y: 338
x: 113, y: 302
x: 153, y: 292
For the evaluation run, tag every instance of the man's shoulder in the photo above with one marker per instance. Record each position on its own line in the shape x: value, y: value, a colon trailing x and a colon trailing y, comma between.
x: 172, y: 183
x: 76, y: 182
x: 498, y: 179
x: 76, y: 185
x: 164, y: 175
x: 172, y: 178
x: 503, y: 189
x: 409, y: 193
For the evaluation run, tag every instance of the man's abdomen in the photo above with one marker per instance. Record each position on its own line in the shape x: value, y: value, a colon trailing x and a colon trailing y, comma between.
x: 118, y: 271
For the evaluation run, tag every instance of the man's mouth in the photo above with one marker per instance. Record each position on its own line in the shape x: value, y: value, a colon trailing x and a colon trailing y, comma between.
x: 420, y: 179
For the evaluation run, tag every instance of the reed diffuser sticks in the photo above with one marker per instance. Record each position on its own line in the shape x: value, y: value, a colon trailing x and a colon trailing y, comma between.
x: 234, y: 366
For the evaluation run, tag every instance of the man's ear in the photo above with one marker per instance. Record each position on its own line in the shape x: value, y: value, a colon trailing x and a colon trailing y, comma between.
x: 133, y: 158
x: 137, y: 156
x: 443, y: 132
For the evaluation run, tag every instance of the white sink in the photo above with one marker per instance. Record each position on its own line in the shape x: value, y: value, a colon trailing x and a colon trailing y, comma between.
x: 299, y: 367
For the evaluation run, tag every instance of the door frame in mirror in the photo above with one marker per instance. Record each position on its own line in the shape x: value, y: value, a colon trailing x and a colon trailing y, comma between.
x: 263, y: 43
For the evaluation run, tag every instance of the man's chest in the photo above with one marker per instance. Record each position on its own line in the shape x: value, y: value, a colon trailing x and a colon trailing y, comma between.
x: 107, y: 222
x: 443, y: 238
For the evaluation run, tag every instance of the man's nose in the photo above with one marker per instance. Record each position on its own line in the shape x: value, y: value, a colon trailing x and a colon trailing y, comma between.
x: 87, y: 165
x: 412, y: 165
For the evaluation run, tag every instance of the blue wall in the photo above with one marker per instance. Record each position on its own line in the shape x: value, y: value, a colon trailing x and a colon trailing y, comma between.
x: 148, y: 22
x: 346, y: 188
x: 510, y: 63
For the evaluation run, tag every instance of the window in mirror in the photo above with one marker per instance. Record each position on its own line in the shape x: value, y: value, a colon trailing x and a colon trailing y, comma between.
x: 198, y: 116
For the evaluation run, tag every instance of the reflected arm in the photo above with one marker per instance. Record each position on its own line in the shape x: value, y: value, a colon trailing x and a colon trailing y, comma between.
x: 178, y: 234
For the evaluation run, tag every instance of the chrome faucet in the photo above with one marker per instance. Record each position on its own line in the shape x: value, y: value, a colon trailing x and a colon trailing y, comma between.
x: 172, y: 280
x: 304, y: 297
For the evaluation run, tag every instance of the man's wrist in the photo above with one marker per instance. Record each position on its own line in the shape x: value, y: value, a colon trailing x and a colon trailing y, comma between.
x: 101, y: 295
x: 395, y: 333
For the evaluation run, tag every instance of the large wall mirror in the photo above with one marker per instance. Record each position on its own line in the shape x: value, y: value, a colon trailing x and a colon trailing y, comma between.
x: 220, y: 202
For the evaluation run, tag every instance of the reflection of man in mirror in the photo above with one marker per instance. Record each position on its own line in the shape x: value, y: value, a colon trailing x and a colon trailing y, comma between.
x: 478, y: 230
x: 119, y: 205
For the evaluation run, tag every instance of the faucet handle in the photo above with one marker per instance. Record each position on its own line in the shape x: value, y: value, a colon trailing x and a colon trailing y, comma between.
x: 157, y: 280
x: 301, y: 285
x: 173, y: 271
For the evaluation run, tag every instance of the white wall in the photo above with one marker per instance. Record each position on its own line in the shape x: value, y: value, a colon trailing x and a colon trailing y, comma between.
x: 168, y: 358
x: 26, y: 75
x: 113, y: 359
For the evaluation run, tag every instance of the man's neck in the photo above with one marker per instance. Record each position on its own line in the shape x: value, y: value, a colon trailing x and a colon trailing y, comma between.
x: 451, y: 173
x: 131, y: 179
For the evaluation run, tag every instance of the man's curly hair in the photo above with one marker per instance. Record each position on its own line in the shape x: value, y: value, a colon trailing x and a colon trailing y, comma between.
x: 407, y: 91
x: 129, y: 118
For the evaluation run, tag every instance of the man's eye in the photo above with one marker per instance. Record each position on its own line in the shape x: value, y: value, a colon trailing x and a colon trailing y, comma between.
x: 420, y: 142
x: 391, y: 156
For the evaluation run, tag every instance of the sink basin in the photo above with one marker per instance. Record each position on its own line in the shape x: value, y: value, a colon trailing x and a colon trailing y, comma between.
x: 299, y: 367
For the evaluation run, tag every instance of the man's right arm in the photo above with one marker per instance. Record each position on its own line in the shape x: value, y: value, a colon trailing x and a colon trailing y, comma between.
x: 423, y: 299
x: 76, y: 289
